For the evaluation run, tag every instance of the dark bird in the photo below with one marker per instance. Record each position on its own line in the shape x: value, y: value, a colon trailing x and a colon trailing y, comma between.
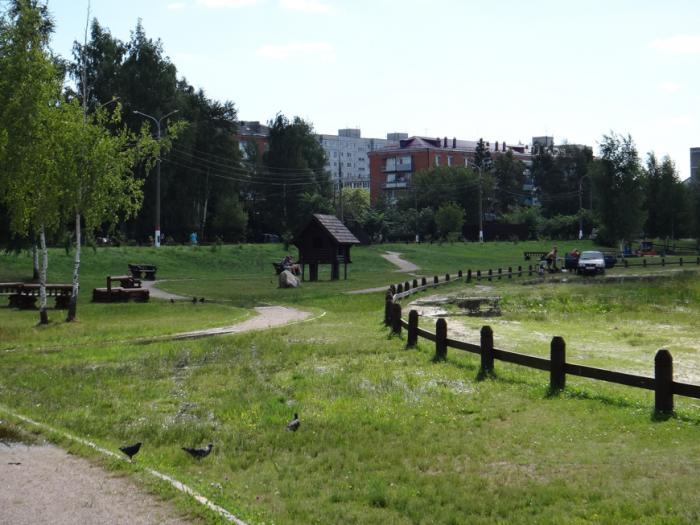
x: 199, y: 453
x: 131, y: 450
x: 194, y: 300
x: 201, y: 299
x: 294, y: 424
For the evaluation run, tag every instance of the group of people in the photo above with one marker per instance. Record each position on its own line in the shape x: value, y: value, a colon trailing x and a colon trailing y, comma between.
x: 549, y: 261
x: 289, y: 265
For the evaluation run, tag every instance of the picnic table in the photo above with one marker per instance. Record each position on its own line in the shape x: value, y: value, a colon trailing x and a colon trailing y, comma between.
x: 24, y: 295
x: 130, y: 289
x: 143, y: 271
x: 538, y: 255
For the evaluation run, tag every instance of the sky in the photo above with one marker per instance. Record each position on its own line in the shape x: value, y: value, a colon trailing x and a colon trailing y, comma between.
x: 503, y: 70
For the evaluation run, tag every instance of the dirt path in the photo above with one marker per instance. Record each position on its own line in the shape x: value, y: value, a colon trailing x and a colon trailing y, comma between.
x: 42, y: 484
x: 45, y: 485
x: 268, y: 317
x: 161, y: 294
x: 403, y: 265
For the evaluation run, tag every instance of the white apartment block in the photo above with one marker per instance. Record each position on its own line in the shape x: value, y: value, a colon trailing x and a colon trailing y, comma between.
x: 346, y: 156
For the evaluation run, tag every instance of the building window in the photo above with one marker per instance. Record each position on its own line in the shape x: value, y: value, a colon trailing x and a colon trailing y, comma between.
x: 390, y: 164
x: 349, y: 164
x: 449, y: 160
x: 437, y: 160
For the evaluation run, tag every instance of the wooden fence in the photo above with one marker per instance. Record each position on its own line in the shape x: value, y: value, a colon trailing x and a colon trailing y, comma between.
x: 662, y: 383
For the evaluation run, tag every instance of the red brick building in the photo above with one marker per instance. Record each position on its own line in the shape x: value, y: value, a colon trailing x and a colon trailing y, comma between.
x: 391, y: 167
x: 253, y: 133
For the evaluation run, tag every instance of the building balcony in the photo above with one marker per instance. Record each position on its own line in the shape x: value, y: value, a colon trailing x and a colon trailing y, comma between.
x: 395, y: 184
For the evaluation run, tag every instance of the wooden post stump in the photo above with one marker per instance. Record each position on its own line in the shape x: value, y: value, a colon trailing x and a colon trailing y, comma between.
x: 680, y: 261
x: 478, y: 275
x: 406, y: 286
x: 510, y: 272
x: 447, y: 277
x: 490, y: 274
x: 440, y: 340
x: 520, y: 271
x: 423, y: 281
x: 557, y: 375
x: 412, y: 338
x: 459, y: 274
x: 486, y: 349
x: 435, y: 279
x: 663, y: 382
x: 469, y: 276
x: 399, y: 289
x: 415, y: 283
x: 387, y: 311
x: 500, y: 273
x: 529, y: 270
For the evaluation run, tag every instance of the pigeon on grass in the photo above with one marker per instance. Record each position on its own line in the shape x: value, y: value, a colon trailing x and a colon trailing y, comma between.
x: 294, y: 424
x: 131, y: 450
x: 199, y: 453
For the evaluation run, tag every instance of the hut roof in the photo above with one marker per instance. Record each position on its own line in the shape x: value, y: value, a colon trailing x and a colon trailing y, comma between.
x: 335, y: 228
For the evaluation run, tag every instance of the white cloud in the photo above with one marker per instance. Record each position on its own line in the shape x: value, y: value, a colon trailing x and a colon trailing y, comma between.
x: 177, y: 6
x: 226, y: 3
x: 309, y: 6
x: 321, y: 50
x: 670, y: 87
x: 688, y: 44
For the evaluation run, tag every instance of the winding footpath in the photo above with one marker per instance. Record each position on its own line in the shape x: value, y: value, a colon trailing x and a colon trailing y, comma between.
x: 43, y: 484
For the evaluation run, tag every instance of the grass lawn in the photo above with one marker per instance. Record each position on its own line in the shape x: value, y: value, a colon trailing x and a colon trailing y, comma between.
x: 387, y: 436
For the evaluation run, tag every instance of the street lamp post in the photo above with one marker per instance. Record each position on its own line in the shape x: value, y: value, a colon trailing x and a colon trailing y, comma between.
x: 157, y: 122
x: 481, y: 214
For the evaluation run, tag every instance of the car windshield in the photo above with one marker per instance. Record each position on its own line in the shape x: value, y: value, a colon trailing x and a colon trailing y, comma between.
x: 591, y: 255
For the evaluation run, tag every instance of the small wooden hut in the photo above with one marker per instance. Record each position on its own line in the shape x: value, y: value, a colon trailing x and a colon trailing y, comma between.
x: 324, y: 240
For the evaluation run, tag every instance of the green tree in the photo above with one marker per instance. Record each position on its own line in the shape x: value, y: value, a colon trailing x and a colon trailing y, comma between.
x: 294, y: 164
x: 96, y: 175
x: 664, y: 198
x: 509, y: 176
x: 617, y: 181
x: 30, y: 133
x: 449, y: 219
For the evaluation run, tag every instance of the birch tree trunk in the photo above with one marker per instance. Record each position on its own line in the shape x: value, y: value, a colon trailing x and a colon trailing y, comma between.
x: 73, y: 306
x: 43, y: 314
x: 35, y: 259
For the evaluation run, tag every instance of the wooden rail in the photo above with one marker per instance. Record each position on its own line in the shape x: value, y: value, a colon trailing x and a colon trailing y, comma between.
x: 662, y: 383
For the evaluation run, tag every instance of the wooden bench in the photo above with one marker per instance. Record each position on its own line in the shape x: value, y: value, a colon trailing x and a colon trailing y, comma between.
x: 143, y: 271
x: 125, y: 281
x: 538, y: 255
x: 24, y: 295
x: 279, y: 268
x: 120, y: 294
x: 473, y: 306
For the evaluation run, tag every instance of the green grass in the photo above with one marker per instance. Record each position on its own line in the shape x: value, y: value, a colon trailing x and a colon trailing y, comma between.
x: 387, y: 435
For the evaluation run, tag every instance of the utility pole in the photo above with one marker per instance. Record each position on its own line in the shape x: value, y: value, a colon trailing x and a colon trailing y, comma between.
x: 157, y: 122
x: 340, y: 186
x: 580, y: 208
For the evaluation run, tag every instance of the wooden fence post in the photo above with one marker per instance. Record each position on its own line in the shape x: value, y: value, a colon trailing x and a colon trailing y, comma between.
x: 393, y: 289
x: 663, y: 261
x: 490, y: 273
x: 412, y: 338
x: 557, y: 375
x: 423, y: 281
x: 399, y: 289
x: 459, y: 274
x: 510, y: 272
x: 529, y: 270
x: 447, y: 277
x: 469, y: 276
x: 406, y: 286
x: 500, y: 273
x: 478, y: 275
x: 387, y: 310
x: 435, y: 279
x: 663, y: 382
x: 486, y: 349
x: 680, y: 261
x: 396, y: 319
x: 415, y: 283
x: 441, y: 339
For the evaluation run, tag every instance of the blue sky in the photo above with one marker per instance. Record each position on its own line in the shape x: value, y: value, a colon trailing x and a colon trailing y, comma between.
x: 501, y: 70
